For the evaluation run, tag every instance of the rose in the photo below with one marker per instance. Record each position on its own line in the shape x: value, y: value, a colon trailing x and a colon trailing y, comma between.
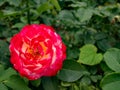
x: 36, y: 51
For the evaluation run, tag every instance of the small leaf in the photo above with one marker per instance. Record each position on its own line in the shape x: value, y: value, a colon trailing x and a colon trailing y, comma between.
x: 95, y: 78
x: 36, y: 83
x: 88, y: 38
x: 66, y: 15
x: 50, y: 83
x: 89, y: 55
x: 75, y: 87
x: 84, y: 14
x: 112, y: 59
x: 87, y: 15
x: 16, y: 83
x: 6, y: 74
x: 11, y: 13
x: 100, y: 36
x: 14, y: 2
x: 78, y: 4
x: 69, y: 75
x: 3, y: 87
x: 86, y: 80
x: 105, y: 68
x: 111, y: 82
x: 3, y: 48
x: 1, y: 68
x: 71, y: 71
x: 1, y: 14
x: 83, y: 86
x: 56, y: 4
x: 103, y: 44
x: 44, y: 7
x: 2, y: 2
x: 18, y: 25
x: 65, y: 84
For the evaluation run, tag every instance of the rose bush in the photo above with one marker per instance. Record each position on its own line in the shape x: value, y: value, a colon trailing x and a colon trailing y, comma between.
x: 36, y: 51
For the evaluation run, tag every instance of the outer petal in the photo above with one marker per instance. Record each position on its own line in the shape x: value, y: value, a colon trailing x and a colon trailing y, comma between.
x: 15, y: 47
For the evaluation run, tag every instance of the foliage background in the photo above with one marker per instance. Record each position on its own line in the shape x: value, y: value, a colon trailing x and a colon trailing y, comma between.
x: 89, y: 28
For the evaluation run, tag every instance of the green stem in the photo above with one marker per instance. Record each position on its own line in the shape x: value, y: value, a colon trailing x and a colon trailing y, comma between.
x: 28, y: 12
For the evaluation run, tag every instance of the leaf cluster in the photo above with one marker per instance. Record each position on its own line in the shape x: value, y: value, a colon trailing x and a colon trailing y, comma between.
x: 89, y: 28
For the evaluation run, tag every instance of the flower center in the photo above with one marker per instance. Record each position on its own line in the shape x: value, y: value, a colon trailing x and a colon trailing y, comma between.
x: 33, y: 52
x: 38, y: 52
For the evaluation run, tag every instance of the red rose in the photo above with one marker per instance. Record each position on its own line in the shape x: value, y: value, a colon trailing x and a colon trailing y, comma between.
x: 36, y: 51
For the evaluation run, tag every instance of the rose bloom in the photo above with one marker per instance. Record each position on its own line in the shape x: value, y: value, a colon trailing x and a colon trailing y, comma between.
x: 36, y: 51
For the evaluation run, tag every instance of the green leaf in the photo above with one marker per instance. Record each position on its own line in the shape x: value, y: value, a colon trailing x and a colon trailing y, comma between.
x: 50, y: 83
x: 18, y: 25
x: 100, y: 36
x: 89, y: 55
x: 66, y: 15
x: 71, y: 71
x: 111, y: 82
x: 105, y: 68
x: 75, y: 87
x: 95, y: 78
x: 1, y: 68
x: 3, y: 48
x: 87, y: 15
x: 96, y: 11
x: 16, y: 83
x: 83, y: 86
x: 69, y: 75
x: 14, y: 2
x: 86, y: 80
x: 65, y: 84
x: 56, y: 4
x: 3, y: 87
x: 6, y: 74
x: 84, y: 14
x: 2, y: 2
x: 11, y: 13
x: 103, y: 44
x: 105, y: 13
x: 1, y: 14
x: 112, y: 59
x: 44, y: 7
x: 36, y: 83
x: 88, y: 37
x: 78, y: 4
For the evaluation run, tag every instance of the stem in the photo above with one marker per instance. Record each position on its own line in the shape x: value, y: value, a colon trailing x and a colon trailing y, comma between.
x: 28, y: 12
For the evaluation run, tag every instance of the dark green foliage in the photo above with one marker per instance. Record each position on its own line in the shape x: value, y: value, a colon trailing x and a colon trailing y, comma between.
x: 89, y: 28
